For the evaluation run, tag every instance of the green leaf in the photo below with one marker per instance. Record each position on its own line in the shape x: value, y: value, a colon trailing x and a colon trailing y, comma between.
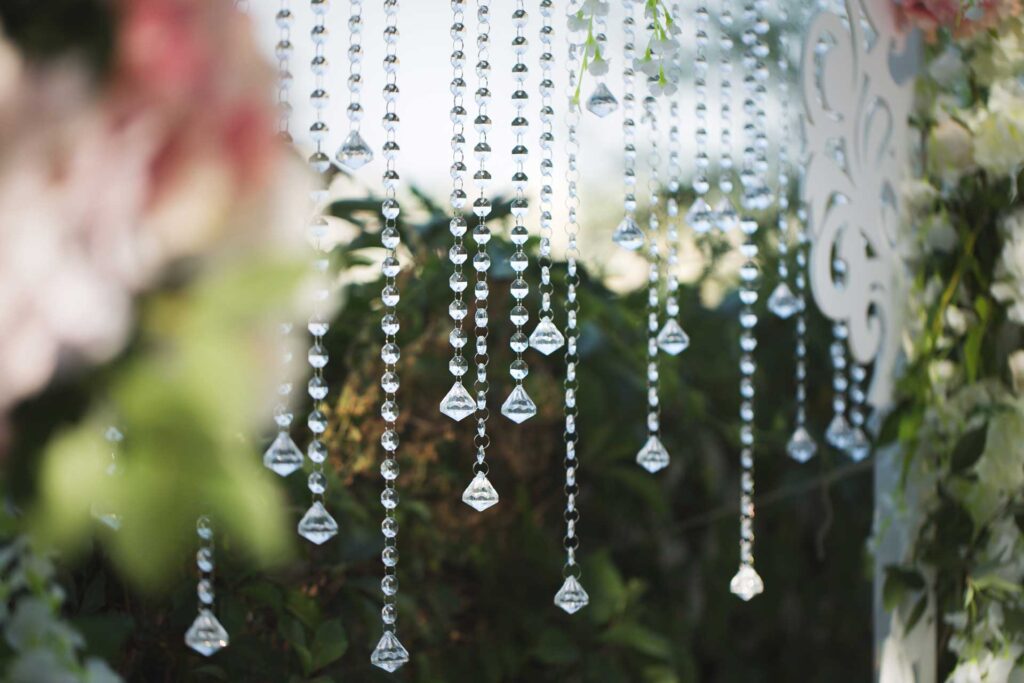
x: 330, y: 643
x: 968, y: 449
x: 899, y: 581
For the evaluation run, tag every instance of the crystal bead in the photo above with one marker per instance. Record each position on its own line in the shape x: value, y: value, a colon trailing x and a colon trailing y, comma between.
x: 801, y: 447
x: 458, y: 403
x: 518, y: 407
x: 480, y: 494
x: 283, y: 457
x: 317, y: 525
x: 317, y: 422
x: 204, y: 559
x: 204, y: 591
x: 602, y: 102
x: 206, y: 635
x: 317, y: 451
x: 389, y: 469
x: 354, y: 153
x: 746, y: 583
x: 700, y: 216
x: 672, y: 339
x: 628, y: 234
x: 839, y: 432
x: 653, y: 456
x: 546, y: 337
x: 317, y: 482
x: 726, y: 218
x: 571, y: 597
x: 859, y: 446
x: 389, y: 653
x: 113, y: 435
x: 783, y: 302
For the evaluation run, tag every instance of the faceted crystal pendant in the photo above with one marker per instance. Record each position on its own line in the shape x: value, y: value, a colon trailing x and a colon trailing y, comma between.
x: 546, y: 337
x: 354, y: 153
x: 571, y: 597
x: 672, y: 339
x: 389, y: 653
x: 317, y: 525
x: 747, y: 583
x: 839, y: 432
x: 602, y: 102
x: 628, y: 235
x: 700, y: 216
x: 859, y: 446
x: 458, y: 403
x: 653, y: 456
x: 480, y: 494
x: 726, y: 218
x: 206, y: 635
x: 801, y: 446
x: 283, y: 456
x: 518, y: 407
x: 783, y: 302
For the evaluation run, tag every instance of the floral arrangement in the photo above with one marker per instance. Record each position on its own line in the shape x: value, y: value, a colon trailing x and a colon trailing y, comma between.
x: 961, y: 412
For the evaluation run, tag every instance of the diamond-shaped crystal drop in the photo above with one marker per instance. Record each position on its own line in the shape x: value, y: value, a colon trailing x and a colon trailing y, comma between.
x: 480, y: 494
x: 628, y: 235
x: 700, y: 216
x: 783, y: 302
x: 283, y: 456
x: 747, y: 583
x: 726, y: 218
x: 653, y: 456
x: 317, y: 525
x: 839, y: 432
x: 389, y: 653
x: 458, y: 403
x: 859, y: 446
x: 206, y: 635
x: 519, y: 407
x: 571, y: 597
x: 546, y: 337
x: 602, y: 102
x: 801, y: 446
x: 354, y: 153
x: 672, y: 339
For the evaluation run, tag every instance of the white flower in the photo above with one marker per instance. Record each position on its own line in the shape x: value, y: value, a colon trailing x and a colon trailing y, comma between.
x: 598, y: 66
x: 999, y: 130
x: 1008, y: 287
x: 950, y: 149
x: 1016, y: 363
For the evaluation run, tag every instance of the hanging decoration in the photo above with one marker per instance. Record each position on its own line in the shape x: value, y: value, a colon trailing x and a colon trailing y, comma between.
x: 601, y: 101
x: 206, y: 635
x: 628, y: 234
x: 354, y: 152
x: 107, y: 515
x: 724, y: 215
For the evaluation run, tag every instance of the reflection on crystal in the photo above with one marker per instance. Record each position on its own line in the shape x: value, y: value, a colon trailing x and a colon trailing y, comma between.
x: 458, y: 403
x: 839, y: 432
x: 653, y: 456
x: 602, y: 102
x: 726, y: 218
x: 206, y: 635
x: 480, y: 494
x: 628, y: 235
x: 747, y: 583
x: 518, y: 407
x: 389, y: 653
x: 672, y: 339
x: 283, y: 456
x: 858, y: 446
x: 571, y: 597
x: 801, y: 446
x: 111, y: 519
x: 546, y: 337
x: 317, y: 525
x: 354, y: 152
x: 783, y: 302
x: 757, y: 197
x: 700, y: 217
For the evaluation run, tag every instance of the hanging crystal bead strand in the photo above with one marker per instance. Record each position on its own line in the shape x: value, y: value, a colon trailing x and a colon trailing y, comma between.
x: 726, y: 218
x: 601, y: 102
x: 109, y: 516
x: 317, y: 525
x: 546, y: 337
x: 757, y: 194
x: 458, y: 403
x: 747, y: 583
x: 354, y: 152
x: 283, y: 456
x: 839, y: 433
x: 571, y: 596
x: 700, y: 216
x: 801, y: 446
x: 628, y: 234
x: 389, y: 653
x: 859, y: 446
x: 672, y: 339
x: 519, y: 407
x: 653, y: 456
x: 481, y: 494
x: 206, y: 635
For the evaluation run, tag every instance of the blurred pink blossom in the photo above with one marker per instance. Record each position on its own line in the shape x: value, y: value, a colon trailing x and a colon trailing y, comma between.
x: 932, y: 15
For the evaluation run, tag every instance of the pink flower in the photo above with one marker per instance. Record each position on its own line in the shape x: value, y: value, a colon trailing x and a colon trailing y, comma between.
x: 932, y: 15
